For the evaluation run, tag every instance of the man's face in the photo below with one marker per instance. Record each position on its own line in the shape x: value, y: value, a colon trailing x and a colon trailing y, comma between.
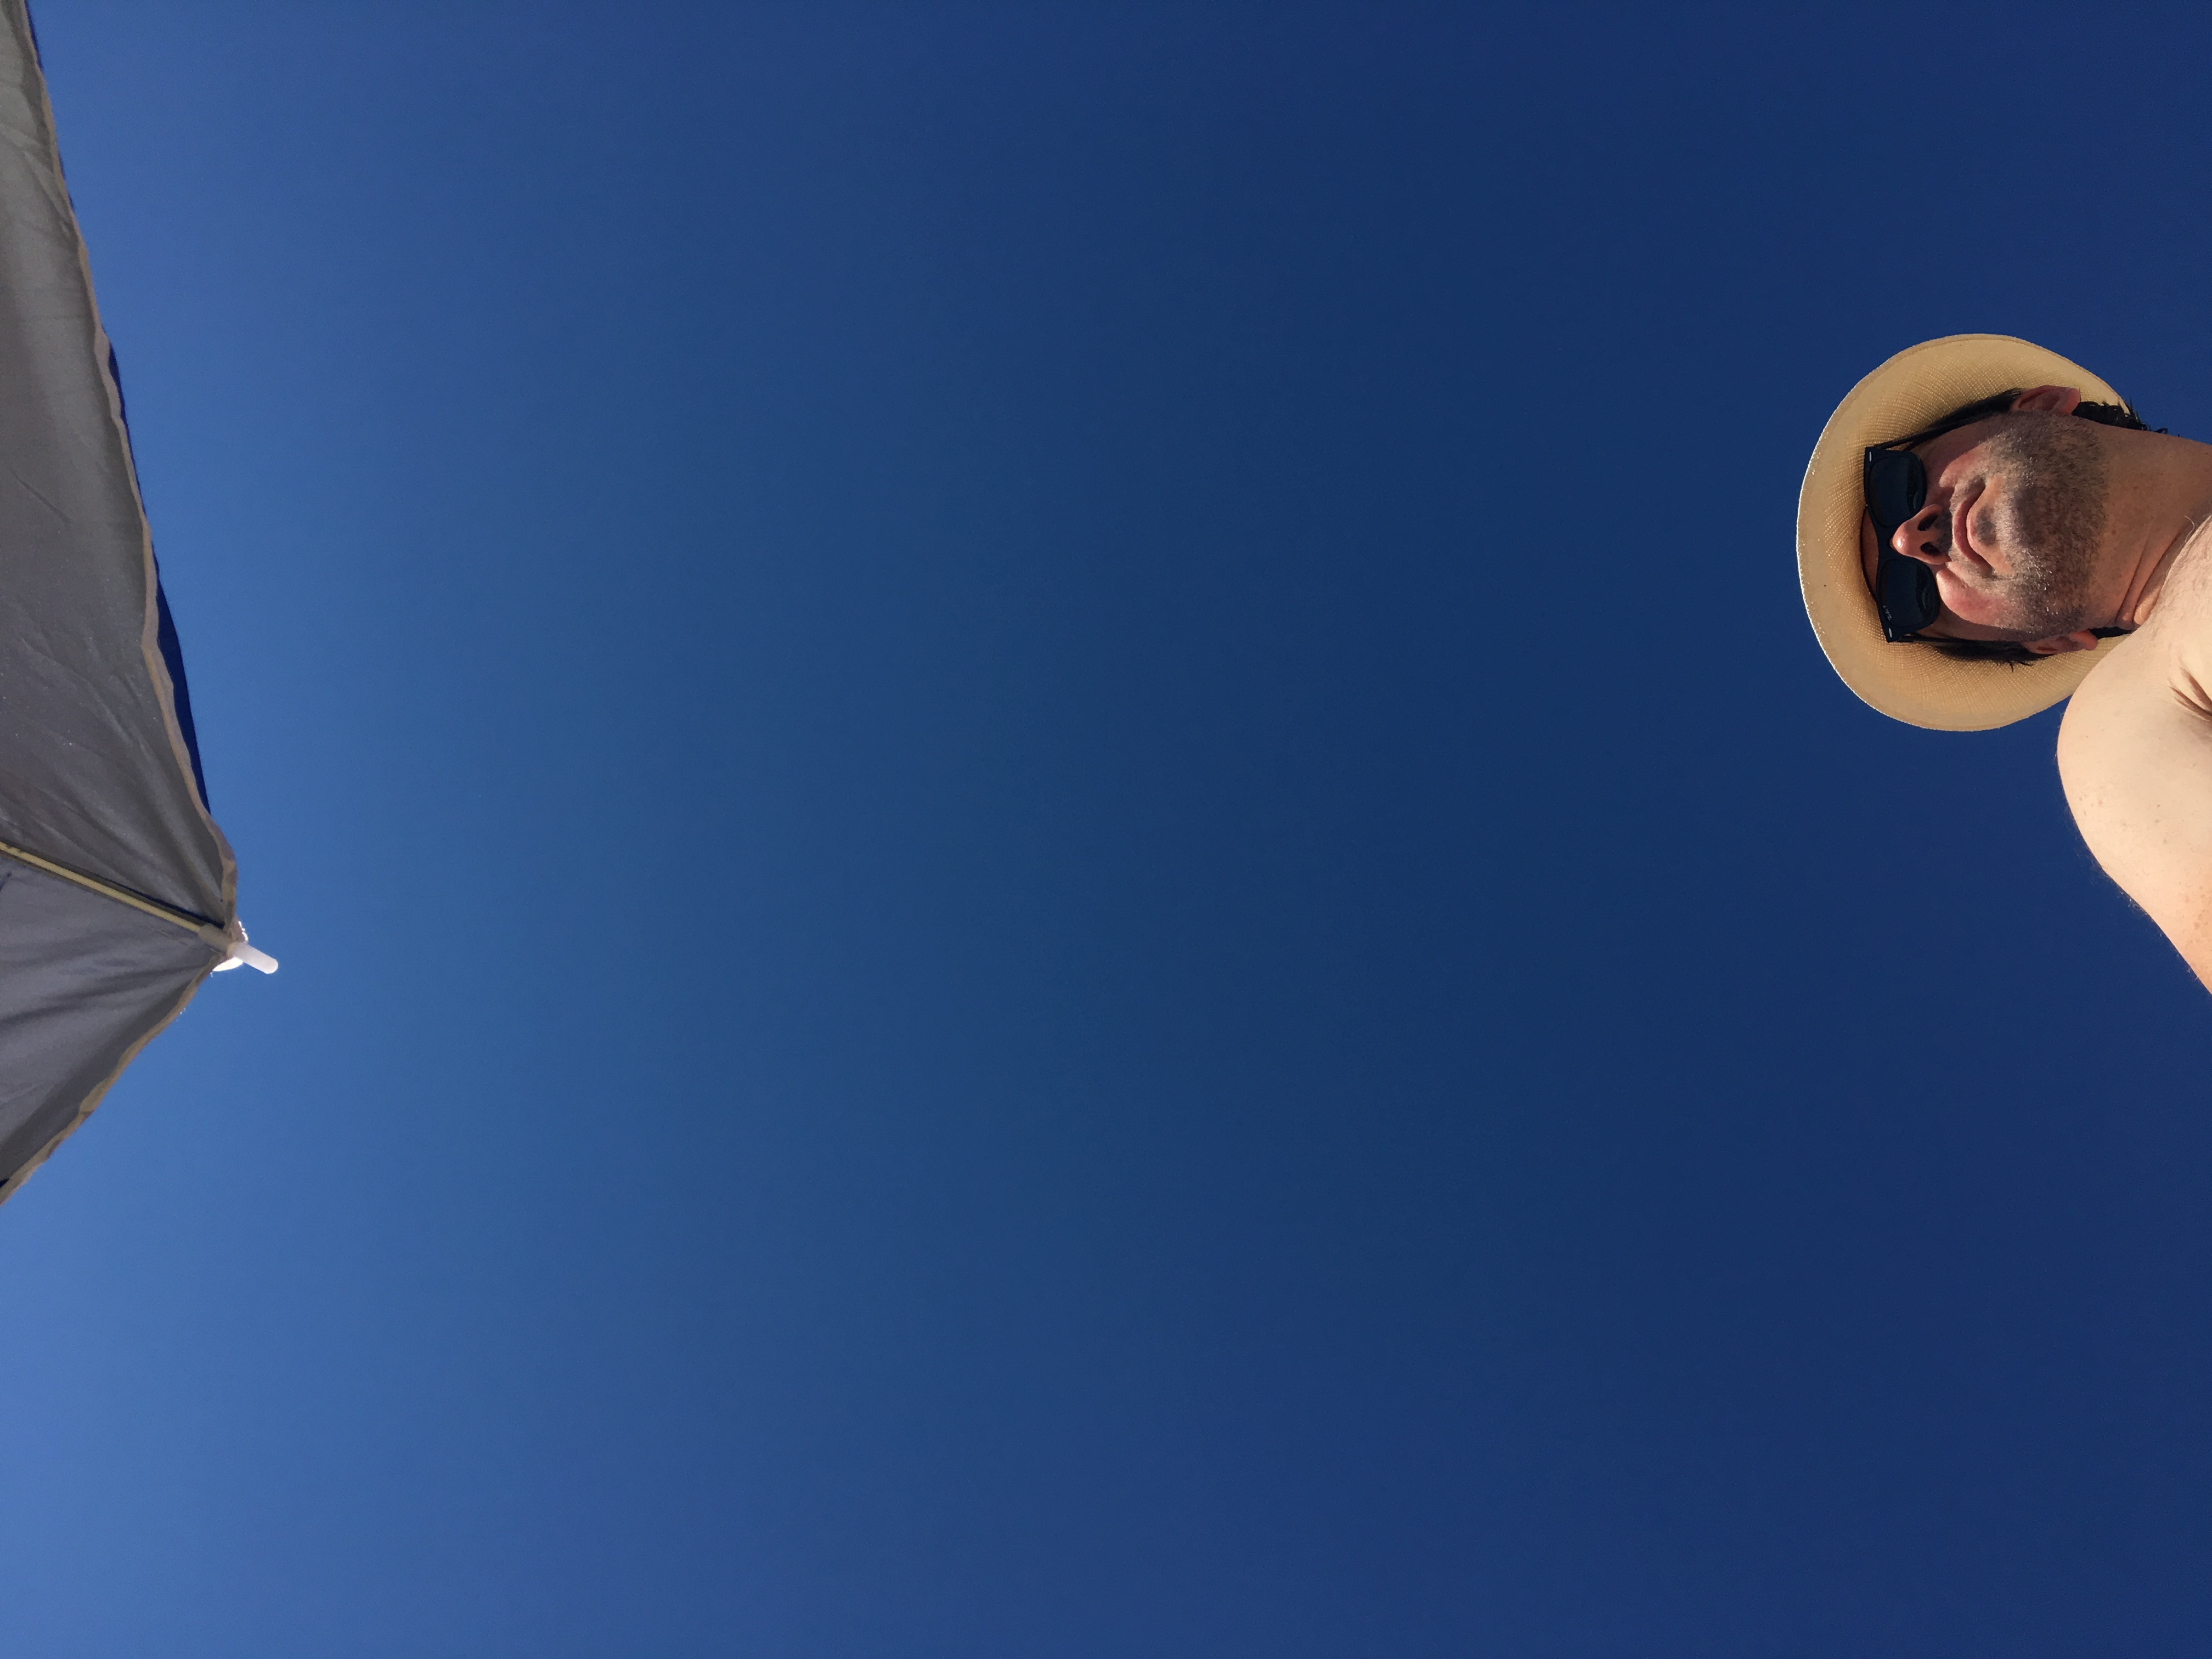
x: 2015, y: 517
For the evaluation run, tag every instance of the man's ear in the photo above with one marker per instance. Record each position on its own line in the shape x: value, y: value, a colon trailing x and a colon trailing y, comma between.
x: 2059, y: 645
x: 2058, y: 399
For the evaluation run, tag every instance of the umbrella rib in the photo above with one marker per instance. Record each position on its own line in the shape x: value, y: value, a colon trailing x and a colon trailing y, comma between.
x: 191, y: 924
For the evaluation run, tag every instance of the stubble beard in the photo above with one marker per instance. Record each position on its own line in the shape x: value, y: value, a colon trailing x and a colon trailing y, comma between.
x: 2053, y: 520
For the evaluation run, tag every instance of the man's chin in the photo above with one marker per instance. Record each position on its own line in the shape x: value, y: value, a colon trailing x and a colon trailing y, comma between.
x: 1952, y: 628
x: 2015, y: 630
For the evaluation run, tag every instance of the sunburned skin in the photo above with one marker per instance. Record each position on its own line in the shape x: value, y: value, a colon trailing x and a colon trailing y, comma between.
x: 2134, y: 751
x: 1969, y: 530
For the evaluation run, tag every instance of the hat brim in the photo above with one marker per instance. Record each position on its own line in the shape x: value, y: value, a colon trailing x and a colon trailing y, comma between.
x: 1917, y: 684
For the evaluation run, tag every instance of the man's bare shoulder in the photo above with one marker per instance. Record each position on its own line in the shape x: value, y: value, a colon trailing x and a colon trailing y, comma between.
x: 2144, y: 697
x: 2154, y: 686
x: 2134, y: 755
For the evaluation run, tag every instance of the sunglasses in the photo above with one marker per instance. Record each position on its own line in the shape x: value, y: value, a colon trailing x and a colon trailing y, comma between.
x: 1905, y: 592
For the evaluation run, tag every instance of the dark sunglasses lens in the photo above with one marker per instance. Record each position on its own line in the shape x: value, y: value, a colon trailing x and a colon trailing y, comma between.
x: 1905, y: 594
x: 1897, y: 488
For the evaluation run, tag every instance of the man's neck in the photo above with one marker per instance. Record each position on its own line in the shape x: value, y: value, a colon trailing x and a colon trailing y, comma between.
x: 2160, y: 492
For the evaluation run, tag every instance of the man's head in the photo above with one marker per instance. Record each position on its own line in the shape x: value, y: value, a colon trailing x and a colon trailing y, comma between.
x: 2013, y: 524
x: 1934, y: 438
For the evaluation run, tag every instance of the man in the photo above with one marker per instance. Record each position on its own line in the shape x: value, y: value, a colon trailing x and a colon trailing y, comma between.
x: 1985, y: 529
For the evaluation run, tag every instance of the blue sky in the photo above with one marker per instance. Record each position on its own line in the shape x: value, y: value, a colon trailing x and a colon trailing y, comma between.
x: 1061, y: 868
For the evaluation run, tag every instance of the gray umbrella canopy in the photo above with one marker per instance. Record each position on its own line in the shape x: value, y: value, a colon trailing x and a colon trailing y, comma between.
x: 117, y: 893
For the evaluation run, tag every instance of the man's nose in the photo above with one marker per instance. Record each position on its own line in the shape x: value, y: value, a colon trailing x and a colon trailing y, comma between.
x: 1924, y: 536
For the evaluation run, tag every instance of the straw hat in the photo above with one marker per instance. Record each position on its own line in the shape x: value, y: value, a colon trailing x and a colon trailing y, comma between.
x: 1917, y: 684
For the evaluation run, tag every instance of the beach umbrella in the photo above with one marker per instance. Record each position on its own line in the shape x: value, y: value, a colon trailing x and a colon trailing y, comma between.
x: 117, y: 893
